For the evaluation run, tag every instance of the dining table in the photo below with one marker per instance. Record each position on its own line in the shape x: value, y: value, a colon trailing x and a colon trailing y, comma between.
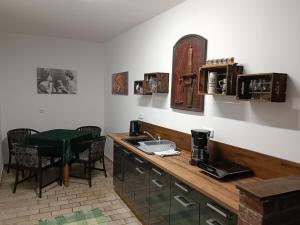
x: 62, y: 139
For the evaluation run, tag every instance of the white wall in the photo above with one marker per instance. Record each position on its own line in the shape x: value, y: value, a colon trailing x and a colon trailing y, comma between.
x: 20, y: 56
x: 261, y: 35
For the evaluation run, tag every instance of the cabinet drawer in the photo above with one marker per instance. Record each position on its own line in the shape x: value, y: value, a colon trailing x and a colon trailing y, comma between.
x: 159, y: 197
x: 184, y: 204
x: 212, y: 213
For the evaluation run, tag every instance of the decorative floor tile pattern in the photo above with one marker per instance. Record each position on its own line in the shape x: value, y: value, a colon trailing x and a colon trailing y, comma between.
x: 25, y: 208
x: 92, y: 217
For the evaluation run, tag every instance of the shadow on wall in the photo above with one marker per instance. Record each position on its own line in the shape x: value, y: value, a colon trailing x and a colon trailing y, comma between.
x: 280, y: 115
x: 157, y: 100
x: 4, y: 147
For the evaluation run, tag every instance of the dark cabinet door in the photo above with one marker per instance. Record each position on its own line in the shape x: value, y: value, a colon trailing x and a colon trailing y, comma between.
x: 128, y: 173
x: 123, y: 173
x: 141, y: 189
x: 118, y: 175
x: 212, y: 213
x: 159, y: 197
x: 184, y: 208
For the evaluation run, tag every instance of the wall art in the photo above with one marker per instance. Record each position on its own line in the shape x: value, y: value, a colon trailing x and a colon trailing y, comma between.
x: 56, y: 81
x: 189, y: 53
x: 120, y: 83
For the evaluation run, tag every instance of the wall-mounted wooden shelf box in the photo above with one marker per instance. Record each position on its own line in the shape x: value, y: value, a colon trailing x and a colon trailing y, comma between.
x: 139, y: 87
x: 156, y: 83
x: 266, y: 87
x: 224, y: 71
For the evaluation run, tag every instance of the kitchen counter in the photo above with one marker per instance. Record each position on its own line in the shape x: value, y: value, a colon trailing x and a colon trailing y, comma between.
x: 223, y: 192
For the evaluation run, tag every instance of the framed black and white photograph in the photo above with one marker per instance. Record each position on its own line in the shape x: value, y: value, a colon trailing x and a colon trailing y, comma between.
x: 56, y: 81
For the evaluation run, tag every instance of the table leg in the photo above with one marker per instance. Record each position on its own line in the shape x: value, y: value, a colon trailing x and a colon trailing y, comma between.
x: 66, y: 175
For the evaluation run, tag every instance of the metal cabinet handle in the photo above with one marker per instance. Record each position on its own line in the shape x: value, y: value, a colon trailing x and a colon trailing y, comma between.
x: 157, y: 183
x: 212, y: 222
x: 138, y: 160
x: 181, y: 187
x: 214, y: 208
x: 184, y: 204
x: 156, y: 171
x: 126, y: 152
x: 139, y: 170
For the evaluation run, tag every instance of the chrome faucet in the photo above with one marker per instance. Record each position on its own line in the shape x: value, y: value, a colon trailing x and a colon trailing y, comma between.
x: 150, y: 135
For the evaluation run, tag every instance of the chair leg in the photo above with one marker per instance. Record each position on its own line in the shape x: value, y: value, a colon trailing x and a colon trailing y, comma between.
x: 9, y: 162
x: 103, y: 163
x: 40, y: 181
x: 90, y: 174
x: 16, y: 180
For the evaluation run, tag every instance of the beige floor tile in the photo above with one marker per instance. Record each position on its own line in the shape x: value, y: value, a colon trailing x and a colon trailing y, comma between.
x: 25, y: 208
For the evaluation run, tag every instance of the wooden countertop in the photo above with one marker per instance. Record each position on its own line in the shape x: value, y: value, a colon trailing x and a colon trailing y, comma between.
x: 223, y: 192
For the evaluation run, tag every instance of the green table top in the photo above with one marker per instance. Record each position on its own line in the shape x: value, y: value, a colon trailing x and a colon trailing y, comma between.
x: 62, y: 139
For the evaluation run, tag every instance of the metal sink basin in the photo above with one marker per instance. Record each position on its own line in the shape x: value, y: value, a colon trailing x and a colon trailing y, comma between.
x: 157, y: 146
x: 134, y: 141
x: 150, y: 146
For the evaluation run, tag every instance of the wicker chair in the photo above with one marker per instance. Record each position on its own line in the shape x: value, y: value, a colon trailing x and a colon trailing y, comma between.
x: 36, y: 159
x: 94, y: 130
x: 17, y: 136
x: 87, y: 153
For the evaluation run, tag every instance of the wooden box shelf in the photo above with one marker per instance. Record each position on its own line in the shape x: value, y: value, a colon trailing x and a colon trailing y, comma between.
x: 224, y: 71
x: 156, y: 83
x: 265, y: 87
x: 139, y: 87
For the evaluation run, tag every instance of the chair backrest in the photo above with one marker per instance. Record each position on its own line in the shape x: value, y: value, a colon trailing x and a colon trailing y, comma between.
x: 94, y: 130
x: 97, y: 148
x: 27, y: 156
x: 18, y: 136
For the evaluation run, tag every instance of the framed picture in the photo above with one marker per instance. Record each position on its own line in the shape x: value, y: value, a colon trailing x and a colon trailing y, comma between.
x: 120, y: 83
x: 56, y: 81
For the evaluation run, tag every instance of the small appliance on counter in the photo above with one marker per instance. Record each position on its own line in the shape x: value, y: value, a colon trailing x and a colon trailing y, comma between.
x: 224, y: 169
x: 134, y: 128
x: 199, y: 146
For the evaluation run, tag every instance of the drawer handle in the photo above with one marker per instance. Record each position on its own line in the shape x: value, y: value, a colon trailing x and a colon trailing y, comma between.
x: 212, y: 222
x: 138, y: 160
x: 181, y: 187
x: 185, y: 204
x: 156, y: 171
x: 214, y: 208
x: 157, y: 183
x: 139, y: 170
x: 126, y: 152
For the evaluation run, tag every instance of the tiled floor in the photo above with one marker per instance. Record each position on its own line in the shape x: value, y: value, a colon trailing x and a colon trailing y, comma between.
x: 25, y: 208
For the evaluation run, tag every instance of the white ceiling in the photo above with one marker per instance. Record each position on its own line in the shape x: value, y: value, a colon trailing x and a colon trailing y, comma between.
x: 91, y: 20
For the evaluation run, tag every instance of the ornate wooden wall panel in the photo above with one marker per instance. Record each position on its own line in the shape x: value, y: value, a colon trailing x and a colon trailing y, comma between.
x: 189, y: 53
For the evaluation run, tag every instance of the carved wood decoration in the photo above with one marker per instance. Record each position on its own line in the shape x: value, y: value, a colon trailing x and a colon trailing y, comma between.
x: 189, y: 53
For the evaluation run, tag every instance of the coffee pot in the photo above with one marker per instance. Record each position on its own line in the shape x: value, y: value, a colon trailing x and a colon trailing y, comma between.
x: 200, y: 152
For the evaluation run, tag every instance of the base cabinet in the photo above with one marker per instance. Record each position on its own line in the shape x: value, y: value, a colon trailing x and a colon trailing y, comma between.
x: 141, y: 189
x: 157, y: 198
x: 213, y: 214
x: 184, y: 209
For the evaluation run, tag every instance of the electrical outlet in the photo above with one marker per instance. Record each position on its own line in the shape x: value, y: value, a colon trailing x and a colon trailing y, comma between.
x: 140, y: 116
x: 211, y: 131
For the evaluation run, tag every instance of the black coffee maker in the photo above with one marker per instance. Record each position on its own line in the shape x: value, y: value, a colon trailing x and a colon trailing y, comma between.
x: 134, y: 128
x: 199, y: 146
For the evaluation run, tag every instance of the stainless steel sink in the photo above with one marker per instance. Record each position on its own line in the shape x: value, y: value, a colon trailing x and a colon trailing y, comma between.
x: 134, y: 141
x: 157, y: 146
x: 150, y: 146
